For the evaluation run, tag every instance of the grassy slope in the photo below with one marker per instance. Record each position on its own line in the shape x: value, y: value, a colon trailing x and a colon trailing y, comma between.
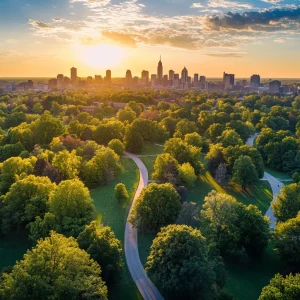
x: 277, y: 174
x: 111, y: 213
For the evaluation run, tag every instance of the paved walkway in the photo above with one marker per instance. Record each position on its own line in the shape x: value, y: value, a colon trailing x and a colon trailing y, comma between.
x: 143, y: 283
x: 276, y: 186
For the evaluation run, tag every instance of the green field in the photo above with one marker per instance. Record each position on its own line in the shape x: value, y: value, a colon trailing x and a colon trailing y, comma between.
x: 150, y: 149
x: 277, y: 174
x: 113, y: 214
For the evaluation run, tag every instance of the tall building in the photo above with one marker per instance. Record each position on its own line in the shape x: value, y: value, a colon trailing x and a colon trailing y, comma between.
x: 60, y: 81
x: 196, y: 77
x: 165, y: 80
x: 145, y: 77
x: 176, y: 76
x: 108, y: 76
x: 98, y: 79
x: 184, y: 75
x: 171, y: 75
x: 74, y: 78
x: 89, y: 80
x: 274, y: 86
x: 128, y: 78
x: 153, y: 79
x: 202, y: 79
x: 228, y: 80
x: 255, y: 80
x: 160, y: 71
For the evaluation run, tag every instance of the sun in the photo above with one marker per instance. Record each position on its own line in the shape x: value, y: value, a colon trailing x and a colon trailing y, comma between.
x: 102, y: 56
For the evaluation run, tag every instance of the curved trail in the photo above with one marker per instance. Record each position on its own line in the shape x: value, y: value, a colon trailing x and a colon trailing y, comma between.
x: 276, y: 186
x: 142, y: 281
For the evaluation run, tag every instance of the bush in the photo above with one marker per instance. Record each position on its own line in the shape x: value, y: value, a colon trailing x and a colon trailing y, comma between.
x: 117, y: 146
x: 187, y: 175
x: 121, y: 193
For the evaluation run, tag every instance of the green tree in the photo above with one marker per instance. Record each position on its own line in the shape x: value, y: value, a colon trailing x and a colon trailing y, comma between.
x: 282, y: 288
x: 194, y: 139
x: 184, y: 127
x: 55, y: 269
x: 102, y: 168
x: 117, y: 146
x: 104, y: 248
x: 230, y: 137
x: 108, y: 131
x: 221, y: 175
x: 179, y: 261
x: 187, y: 175
x: 68, y: 163
x: 72, y: 206
x: 121, y: 193
x: 244, y: 171
x: 236, y: 229
x: 26, y: 199
x: 157, y: 206
x: 287, y: 241
x: 166, y: 169
x: 133, y: 140
x: 287, y: 204
x: 46, y: 128
x: 214, y: 131
x: 126, y: 115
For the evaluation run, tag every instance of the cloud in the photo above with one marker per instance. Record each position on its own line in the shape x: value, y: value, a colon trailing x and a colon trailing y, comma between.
x: 267, y: 20
x: 39, y: 24
x: 196, y: 5
x: 92, y: 3
x: 228, y: 4
x: 225, y: 55
x: 121, y: 38
x: 272, y: 1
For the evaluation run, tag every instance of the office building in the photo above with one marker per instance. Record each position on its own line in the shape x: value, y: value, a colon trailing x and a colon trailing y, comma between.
x: 184, y: 75
x: 228, y: 81
x: 196, y: 77
x: 52, y: 83
x: 74, y: 78
x: 60, y: 81
x: 98, y: 79
x: 159, y: 71
x: 255, y: 80
x: 274, y: 86
x: 153, y: 79
x: 108, y: 76
x: 176, y: 76
x: 89, y: 80
x: 165, y: 80
x: 202, y: 79
x: 128, y: 78
x: 145, y: 77
x: 171, y: 75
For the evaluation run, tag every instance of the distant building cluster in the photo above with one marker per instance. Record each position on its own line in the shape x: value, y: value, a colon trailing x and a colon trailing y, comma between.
x: 172, y: 80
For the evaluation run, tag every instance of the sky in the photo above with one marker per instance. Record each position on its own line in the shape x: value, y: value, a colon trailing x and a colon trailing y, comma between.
x: 245, y: 37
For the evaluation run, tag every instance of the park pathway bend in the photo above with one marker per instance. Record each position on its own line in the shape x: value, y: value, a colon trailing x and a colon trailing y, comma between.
x: 142, y: 281
x: 276, y: 186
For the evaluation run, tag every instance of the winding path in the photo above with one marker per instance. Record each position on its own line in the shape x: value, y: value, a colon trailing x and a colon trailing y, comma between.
x: 142, y: 281
x: 276, y: 186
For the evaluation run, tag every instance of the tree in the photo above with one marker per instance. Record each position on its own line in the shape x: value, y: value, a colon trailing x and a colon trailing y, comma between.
x: 157, y: 206
x: 72, y: 206
x: 55, y: 269
x: 285, y: 288
x: 102, y: 168
x: 230, y: 137
x: 108, y: 131
x: 221, y: 174
x: 184, y: 153
x: 214, y: 131
x: 244, y: 171
x: 237, y: 229
x: 121, y: 193
x: 194, y: 139
x: 189, y: 214
x: 184, y: 127
x: 166, y: 169
x: 179, y: 261
x: 287, y: 242
x: 126, y: 115
x: 26, y: 199
x: 287, y: 204
x: 117, y: 146
x: 46, y: 128
x: 68, y: 163
x: 133, y: 140
x: 104, y: 248
x: 187, y: 175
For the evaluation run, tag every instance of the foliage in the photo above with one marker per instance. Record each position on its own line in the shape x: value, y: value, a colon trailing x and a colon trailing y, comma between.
x: 244, y: 171
x: 230, y: 137
x: 189, y: 214
x: 117, y: 146
x: 187, y: 175
x: 287, y: 204
x: 126, y: 115
x: 104, y: 248
x: 133, y: 140
x: 221, y: 175
x: 108, y: 131
x: 56, y: 269
x: 121, y: 193
x: 157, y: 206
x: 285, y: 288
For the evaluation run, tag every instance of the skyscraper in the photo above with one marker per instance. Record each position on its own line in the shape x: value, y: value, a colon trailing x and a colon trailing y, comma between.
x: 171, y: 75
x: 160, y: 71
x: 60, y: 81
x: 274, y: 86
x: 108, y: 76
x: 74, y: 78
x: 184, y: 75
x: 228, y: 80
x: 255, y: 80
x: 128, y: 78
x: 145, y: 77
x: 196, y: 77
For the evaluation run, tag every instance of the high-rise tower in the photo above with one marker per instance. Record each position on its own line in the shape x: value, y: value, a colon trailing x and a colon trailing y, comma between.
x: 160, y: 71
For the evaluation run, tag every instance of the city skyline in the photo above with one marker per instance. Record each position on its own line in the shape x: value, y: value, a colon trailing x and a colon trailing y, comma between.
x: 207, y: 36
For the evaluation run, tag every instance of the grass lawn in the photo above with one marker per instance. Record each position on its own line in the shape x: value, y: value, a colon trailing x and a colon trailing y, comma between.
x: 277, y: 174
x: 111, y: 213
x: 150, y: 149
x: 149, y: 163
x: 13, y: 247
x: 246, y: 282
